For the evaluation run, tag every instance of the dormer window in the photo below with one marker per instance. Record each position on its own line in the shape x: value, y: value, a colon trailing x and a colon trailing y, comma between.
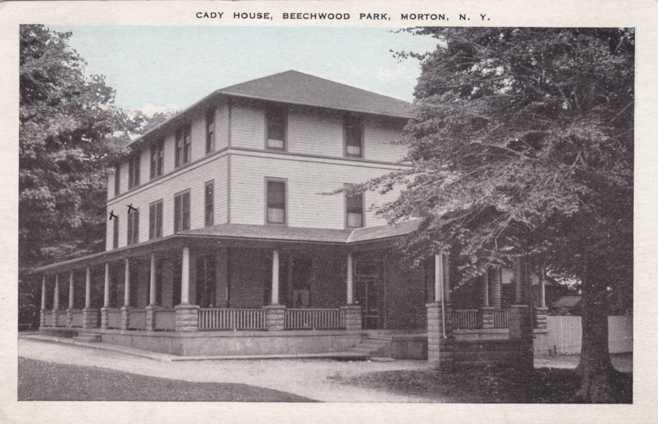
x: 183, y: 141
x: 354, y: 210
x: 353, y: 133
x: 210, y: 130
x: 133, y: 171
x: 276, y: 117
x: 276, y: 202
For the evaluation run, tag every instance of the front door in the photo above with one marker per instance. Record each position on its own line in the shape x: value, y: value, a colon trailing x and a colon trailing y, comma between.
x: 368, y: 290
x: 366, y: 293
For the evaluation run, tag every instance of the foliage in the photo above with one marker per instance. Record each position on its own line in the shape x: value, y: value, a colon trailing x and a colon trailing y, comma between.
x: 523, y: 144
x: 69, y: 130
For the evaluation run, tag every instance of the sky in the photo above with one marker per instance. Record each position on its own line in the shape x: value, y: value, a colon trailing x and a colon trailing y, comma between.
x: 156, y: 68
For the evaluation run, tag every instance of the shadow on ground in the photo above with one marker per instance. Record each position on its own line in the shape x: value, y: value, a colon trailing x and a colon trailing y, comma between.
x: 485, y: 385
x: 38, y: 380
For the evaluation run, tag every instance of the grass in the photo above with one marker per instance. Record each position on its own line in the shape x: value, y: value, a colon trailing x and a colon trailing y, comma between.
x: 483, y: 385
x: 38, y: 380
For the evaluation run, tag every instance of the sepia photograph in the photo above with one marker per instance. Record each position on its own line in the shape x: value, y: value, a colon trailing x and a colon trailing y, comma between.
x: 419, y: 214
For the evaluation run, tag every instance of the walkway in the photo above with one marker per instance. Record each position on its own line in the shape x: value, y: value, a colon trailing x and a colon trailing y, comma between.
x: 303, y: 377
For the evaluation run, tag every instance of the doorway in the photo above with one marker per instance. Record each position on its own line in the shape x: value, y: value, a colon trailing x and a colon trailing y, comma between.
x: 369, y: 292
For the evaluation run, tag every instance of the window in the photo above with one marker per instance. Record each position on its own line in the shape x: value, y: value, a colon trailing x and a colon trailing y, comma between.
x: 276, y: 202
x: 276, y: 117
x: 115, y: 232
x: 133, y: 226
x: 353, y: 210
x: 353, y: 129
x: 209, y: 210
x: 182, y: 211
x: 157, y: 158
x: 183, y: 140
x: 133, y: 171
x: 155, y: 219
x: 117, y: 180
x: 210, y: 130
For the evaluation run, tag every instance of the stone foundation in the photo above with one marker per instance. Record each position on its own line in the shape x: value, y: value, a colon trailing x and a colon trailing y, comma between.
x: 89, y: 318
x: 487, y: 314
x: 275, y: 317
x: 150, y: 317
x: 352, y: 317
x: 240, y: 343
x: 125, y: 317
x: 104, y: 320
x: 439, y: 337
x: 187, y: 317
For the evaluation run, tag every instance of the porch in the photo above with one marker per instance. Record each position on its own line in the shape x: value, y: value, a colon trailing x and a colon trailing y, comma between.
x: 213, y: 298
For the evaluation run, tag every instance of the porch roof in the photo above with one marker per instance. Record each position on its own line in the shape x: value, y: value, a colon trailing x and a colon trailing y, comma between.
x: 244, y: 232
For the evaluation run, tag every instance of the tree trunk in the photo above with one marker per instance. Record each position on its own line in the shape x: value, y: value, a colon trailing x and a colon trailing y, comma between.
x: 598, y: 375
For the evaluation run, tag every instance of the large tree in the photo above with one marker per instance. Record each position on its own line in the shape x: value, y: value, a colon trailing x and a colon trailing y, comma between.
x: 523, y: 145
x: 69, y: 130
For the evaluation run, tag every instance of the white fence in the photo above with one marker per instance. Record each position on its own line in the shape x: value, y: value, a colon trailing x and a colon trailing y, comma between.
x: 565, y: 334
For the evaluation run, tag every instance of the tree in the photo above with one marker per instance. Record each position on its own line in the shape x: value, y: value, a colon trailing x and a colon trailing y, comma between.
x: 523, y: 145
x: 69, y: 130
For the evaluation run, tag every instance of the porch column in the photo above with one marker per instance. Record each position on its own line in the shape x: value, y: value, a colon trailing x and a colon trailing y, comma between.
x: 152, y: 282
x: 125, y: 310
x: 71, y: 291
x: 185, y: 277
x: 150, y: 308
x: 519, y: 281
x: 87, y: 288
x: 275, y: 313
x: 439, y: 334
x: 106, y: 295
x: 106, y: 287
x: 42, y: 314
x: 351, y: 313
x: 350, y: 279
x: 497, y: 290
x: 186, y: 314
x: 69, y: 310
x: 275, y: 277
x: 56, y: 294
x: 89, y: 316
x: 446, y: 277
x: 486, y: 311
x: 541, y: 312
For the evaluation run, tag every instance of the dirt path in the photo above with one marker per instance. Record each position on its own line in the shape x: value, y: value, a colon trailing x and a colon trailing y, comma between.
x: 307, y: 378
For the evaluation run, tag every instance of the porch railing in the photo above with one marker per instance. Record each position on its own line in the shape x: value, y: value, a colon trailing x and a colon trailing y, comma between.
x: 232, y: 319
x: 114, y: 318
x: 466, y: 319
x: 76, y: 318
x: 137, y: 319
x: 60, y: 318
x: 313, y: 319
x: 164, y: 319
x: 501, y: 318
x: 49, y: 318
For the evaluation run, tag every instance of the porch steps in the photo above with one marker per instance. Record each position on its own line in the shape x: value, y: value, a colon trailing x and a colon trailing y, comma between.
x: 374, y: 346
x: 88, y: 338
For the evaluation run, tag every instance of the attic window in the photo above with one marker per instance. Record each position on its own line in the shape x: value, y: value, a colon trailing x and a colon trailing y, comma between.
x: 276, y: 117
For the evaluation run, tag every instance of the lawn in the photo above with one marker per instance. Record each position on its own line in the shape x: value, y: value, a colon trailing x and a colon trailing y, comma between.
x: 38, y: 380
x: 483, y: 385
